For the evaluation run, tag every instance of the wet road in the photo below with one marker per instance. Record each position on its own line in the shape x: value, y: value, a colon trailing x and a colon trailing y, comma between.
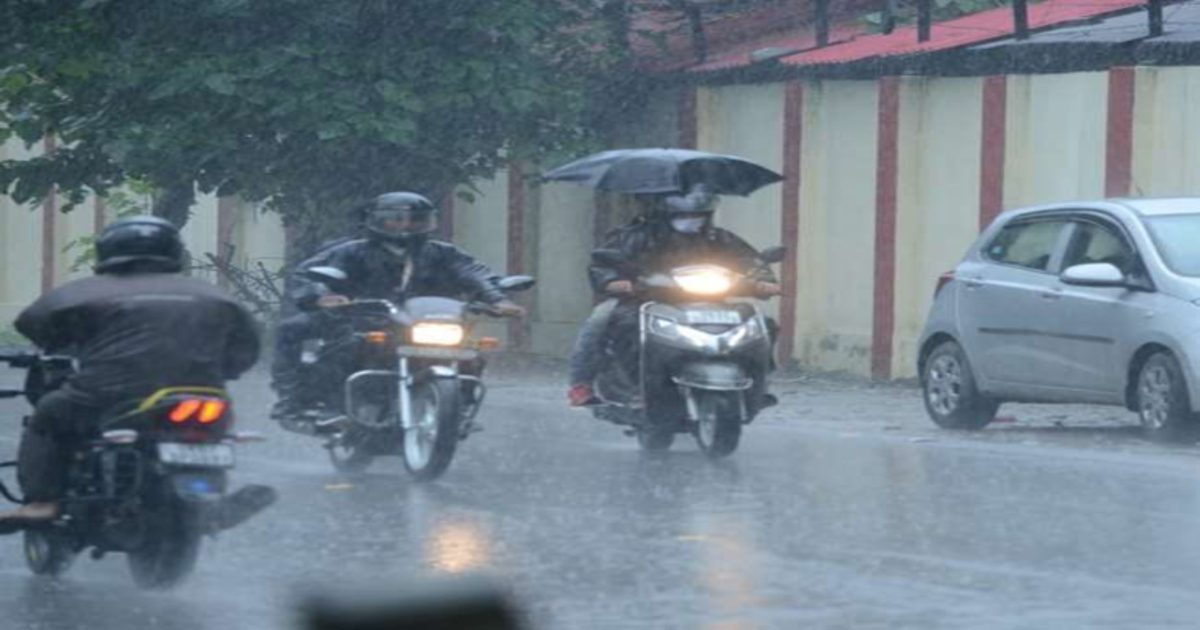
x: 826, y: 518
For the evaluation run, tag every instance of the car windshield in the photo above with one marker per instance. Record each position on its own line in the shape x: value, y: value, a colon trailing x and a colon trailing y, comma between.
x: 1178, y: 239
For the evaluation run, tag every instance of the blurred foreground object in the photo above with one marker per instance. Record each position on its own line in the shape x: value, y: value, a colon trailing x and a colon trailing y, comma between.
x: 468, y: 604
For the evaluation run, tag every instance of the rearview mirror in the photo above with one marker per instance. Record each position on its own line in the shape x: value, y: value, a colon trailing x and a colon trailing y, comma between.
x: 607, y: 257
x: 326, y: 275
x: 1094, y: 275
x: 513, y: 284
x: 772, y: 255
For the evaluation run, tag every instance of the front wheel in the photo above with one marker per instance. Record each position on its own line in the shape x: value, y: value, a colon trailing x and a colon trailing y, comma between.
x: 655, y: 439
x: 168, y: 553
x: 1162, y: 399
x: 430, y: 444
x: 719, y: 425
x: 952, y: 399
x: 48, y: 552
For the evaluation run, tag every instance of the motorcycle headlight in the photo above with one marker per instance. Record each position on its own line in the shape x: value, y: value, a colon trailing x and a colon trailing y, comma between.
x: 664, y: 327
x: 438, y: 334
x: 703, y: 280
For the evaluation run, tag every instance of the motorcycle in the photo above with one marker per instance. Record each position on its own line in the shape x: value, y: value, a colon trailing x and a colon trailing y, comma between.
x: 703, y: 358
x: 414, y: 382
x: 150, y: 481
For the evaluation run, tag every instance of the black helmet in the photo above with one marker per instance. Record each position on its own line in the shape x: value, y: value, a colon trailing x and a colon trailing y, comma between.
x: 401, y: 217
x: 143, y: 242
x: 691, y: 213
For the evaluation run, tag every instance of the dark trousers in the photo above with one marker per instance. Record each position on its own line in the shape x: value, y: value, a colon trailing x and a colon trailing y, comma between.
x: 58, y: 423
x: 290, y: 335
x: 588, y: 355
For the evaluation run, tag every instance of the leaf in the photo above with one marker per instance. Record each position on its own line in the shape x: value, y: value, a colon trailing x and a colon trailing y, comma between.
x: 221, y: 83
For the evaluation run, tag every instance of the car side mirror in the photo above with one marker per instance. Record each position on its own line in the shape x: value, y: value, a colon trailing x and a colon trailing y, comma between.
x: 1095, y: 275
x: 607, y: 257
x: 772, y: 255
x: 513, y: 284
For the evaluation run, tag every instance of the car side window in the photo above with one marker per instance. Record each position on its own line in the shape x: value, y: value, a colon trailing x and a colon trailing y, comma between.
x: 1028, y: 244
x: 1096, y: 243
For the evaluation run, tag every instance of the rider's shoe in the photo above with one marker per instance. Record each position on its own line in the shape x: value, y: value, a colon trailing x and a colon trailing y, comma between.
x: 30, y: 515
x: 582, y: 395
x: 767, y: 401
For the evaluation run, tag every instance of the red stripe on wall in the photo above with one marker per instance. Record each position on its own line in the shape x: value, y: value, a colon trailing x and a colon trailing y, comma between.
x: 1118, y: 171
x: 688, y: 130
x: 49, y: 222
x: 517, y: 331
x: 991, y: 159
x: 793, y: 136
x: 883, y: 329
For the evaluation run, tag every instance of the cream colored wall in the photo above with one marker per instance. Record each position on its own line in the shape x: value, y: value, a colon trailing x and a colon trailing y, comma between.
x: 1166, y: 150
x: 747, y: 121
x: 1056, y: 132
x: 481, y: 228
x: 259, y: 237
x: 20, y: 247
x: 837, y: 226
x: 564, y: 245
x: 940, y: 139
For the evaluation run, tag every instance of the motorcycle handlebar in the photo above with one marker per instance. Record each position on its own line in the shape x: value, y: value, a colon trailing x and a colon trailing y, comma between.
x: 19, y: 359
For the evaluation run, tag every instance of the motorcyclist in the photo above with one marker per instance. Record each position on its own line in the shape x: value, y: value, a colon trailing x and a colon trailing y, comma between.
x: 674, y: 231
x: 397, y: 259
x: 135, y: 327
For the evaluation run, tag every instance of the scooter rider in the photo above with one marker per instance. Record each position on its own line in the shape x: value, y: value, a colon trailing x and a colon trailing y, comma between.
x: 678, y: 230
x: 397, y: 259
x: 134, y: 328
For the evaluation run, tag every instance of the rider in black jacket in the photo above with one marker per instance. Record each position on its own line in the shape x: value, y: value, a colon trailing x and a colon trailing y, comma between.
x: 395, y: 261
x: 675, y: 230
x: 135, y: 327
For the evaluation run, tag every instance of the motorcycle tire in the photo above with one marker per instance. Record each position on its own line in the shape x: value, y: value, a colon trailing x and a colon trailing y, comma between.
x: 168, y: 554
x: 437, y: 413
x: 655, y: 439
x: 48, y: 552
x: 719, y: 427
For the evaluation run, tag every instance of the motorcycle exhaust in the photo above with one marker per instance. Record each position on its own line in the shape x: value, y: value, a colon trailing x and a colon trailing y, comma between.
x: 239, y: 507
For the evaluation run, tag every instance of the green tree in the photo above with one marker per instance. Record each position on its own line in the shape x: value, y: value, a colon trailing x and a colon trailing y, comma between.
x: 307, y: 105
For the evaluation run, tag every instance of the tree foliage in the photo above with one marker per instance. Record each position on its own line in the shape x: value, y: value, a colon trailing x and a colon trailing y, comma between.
x: 308, y: 105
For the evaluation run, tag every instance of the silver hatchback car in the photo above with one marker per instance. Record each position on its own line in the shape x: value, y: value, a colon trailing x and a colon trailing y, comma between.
x: 1095, y: 302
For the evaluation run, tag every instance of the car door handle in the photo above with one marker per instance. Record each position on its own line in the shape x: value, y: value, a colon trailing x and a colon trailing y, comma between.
x: 1055, y: 294
x: 974, y: 282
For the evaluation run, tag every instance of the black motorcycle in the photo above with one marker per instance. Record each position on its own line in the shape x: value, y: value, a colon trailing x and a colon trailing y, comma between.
x: 150, y: 481
x: 703, y: 358
x: 411, y: 378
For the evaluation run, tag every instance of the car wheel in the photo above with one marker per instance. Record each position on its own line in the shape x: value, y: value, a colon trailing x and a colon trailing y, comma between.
x: 1163, y: 405
x: 952, y: 398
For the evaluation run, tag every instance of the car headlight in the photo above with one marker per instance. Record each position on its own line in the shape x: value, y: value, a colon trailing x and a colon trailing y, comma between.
x: 438, y: 334
x: 703, y: 280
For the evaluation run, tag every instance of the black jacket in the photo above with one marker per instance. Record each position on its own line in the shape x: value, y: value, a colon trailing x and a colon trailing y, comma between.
x: 137, y: 333
x: 651, y: 247
x: 438, y: 269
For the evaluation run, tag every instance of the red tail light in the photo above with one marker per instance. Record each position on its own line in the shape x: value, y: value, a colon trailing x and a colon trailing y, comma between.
x: 212, y: 411
x: 942, y: 281
x: 202, y: 410
x: 185, y: 410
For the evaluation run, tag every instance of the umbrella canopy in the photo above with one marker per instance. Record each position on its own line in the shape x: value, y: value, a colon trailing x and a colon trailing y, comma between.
x: 650, y: 171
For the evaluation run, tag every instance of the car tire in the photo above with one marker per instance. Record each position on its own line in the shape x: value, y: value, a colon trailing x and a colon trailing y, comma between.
x: 1163, y: 405
x: 952, y: 398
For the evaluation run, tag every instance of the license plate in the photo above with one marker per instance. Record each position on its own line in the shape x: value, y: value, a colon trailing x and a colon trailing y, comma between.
x: 445, y: 354
x: 207, y: 455
x: 714, y: 317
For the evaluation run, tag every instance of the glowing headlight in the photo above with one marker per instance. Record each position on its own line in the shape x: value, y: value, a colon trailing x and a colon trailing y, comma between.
x: 703, y: 280
x: 438, y: 334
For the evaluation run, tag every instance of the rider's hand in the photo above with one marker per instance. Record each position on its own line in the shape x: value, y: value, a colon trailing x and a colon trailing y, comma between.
x: 619, y: 287
x: 767, y: 289
x: 509, y: 309
x: 329, y: 301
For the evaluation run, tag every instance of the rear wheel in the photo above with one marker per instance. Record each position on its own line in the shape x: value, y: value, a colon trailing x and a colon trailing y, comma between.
x: 1163, y: 404
x: 169, y: 551
x: 430, y: 444
x: 719, y: 426
x: 48, y: 552
x: 952, y: 399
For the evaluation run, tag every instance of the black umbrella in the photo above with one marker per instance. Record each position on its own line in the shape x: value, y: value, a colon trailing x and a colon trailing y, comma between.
x: 665, y: 171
